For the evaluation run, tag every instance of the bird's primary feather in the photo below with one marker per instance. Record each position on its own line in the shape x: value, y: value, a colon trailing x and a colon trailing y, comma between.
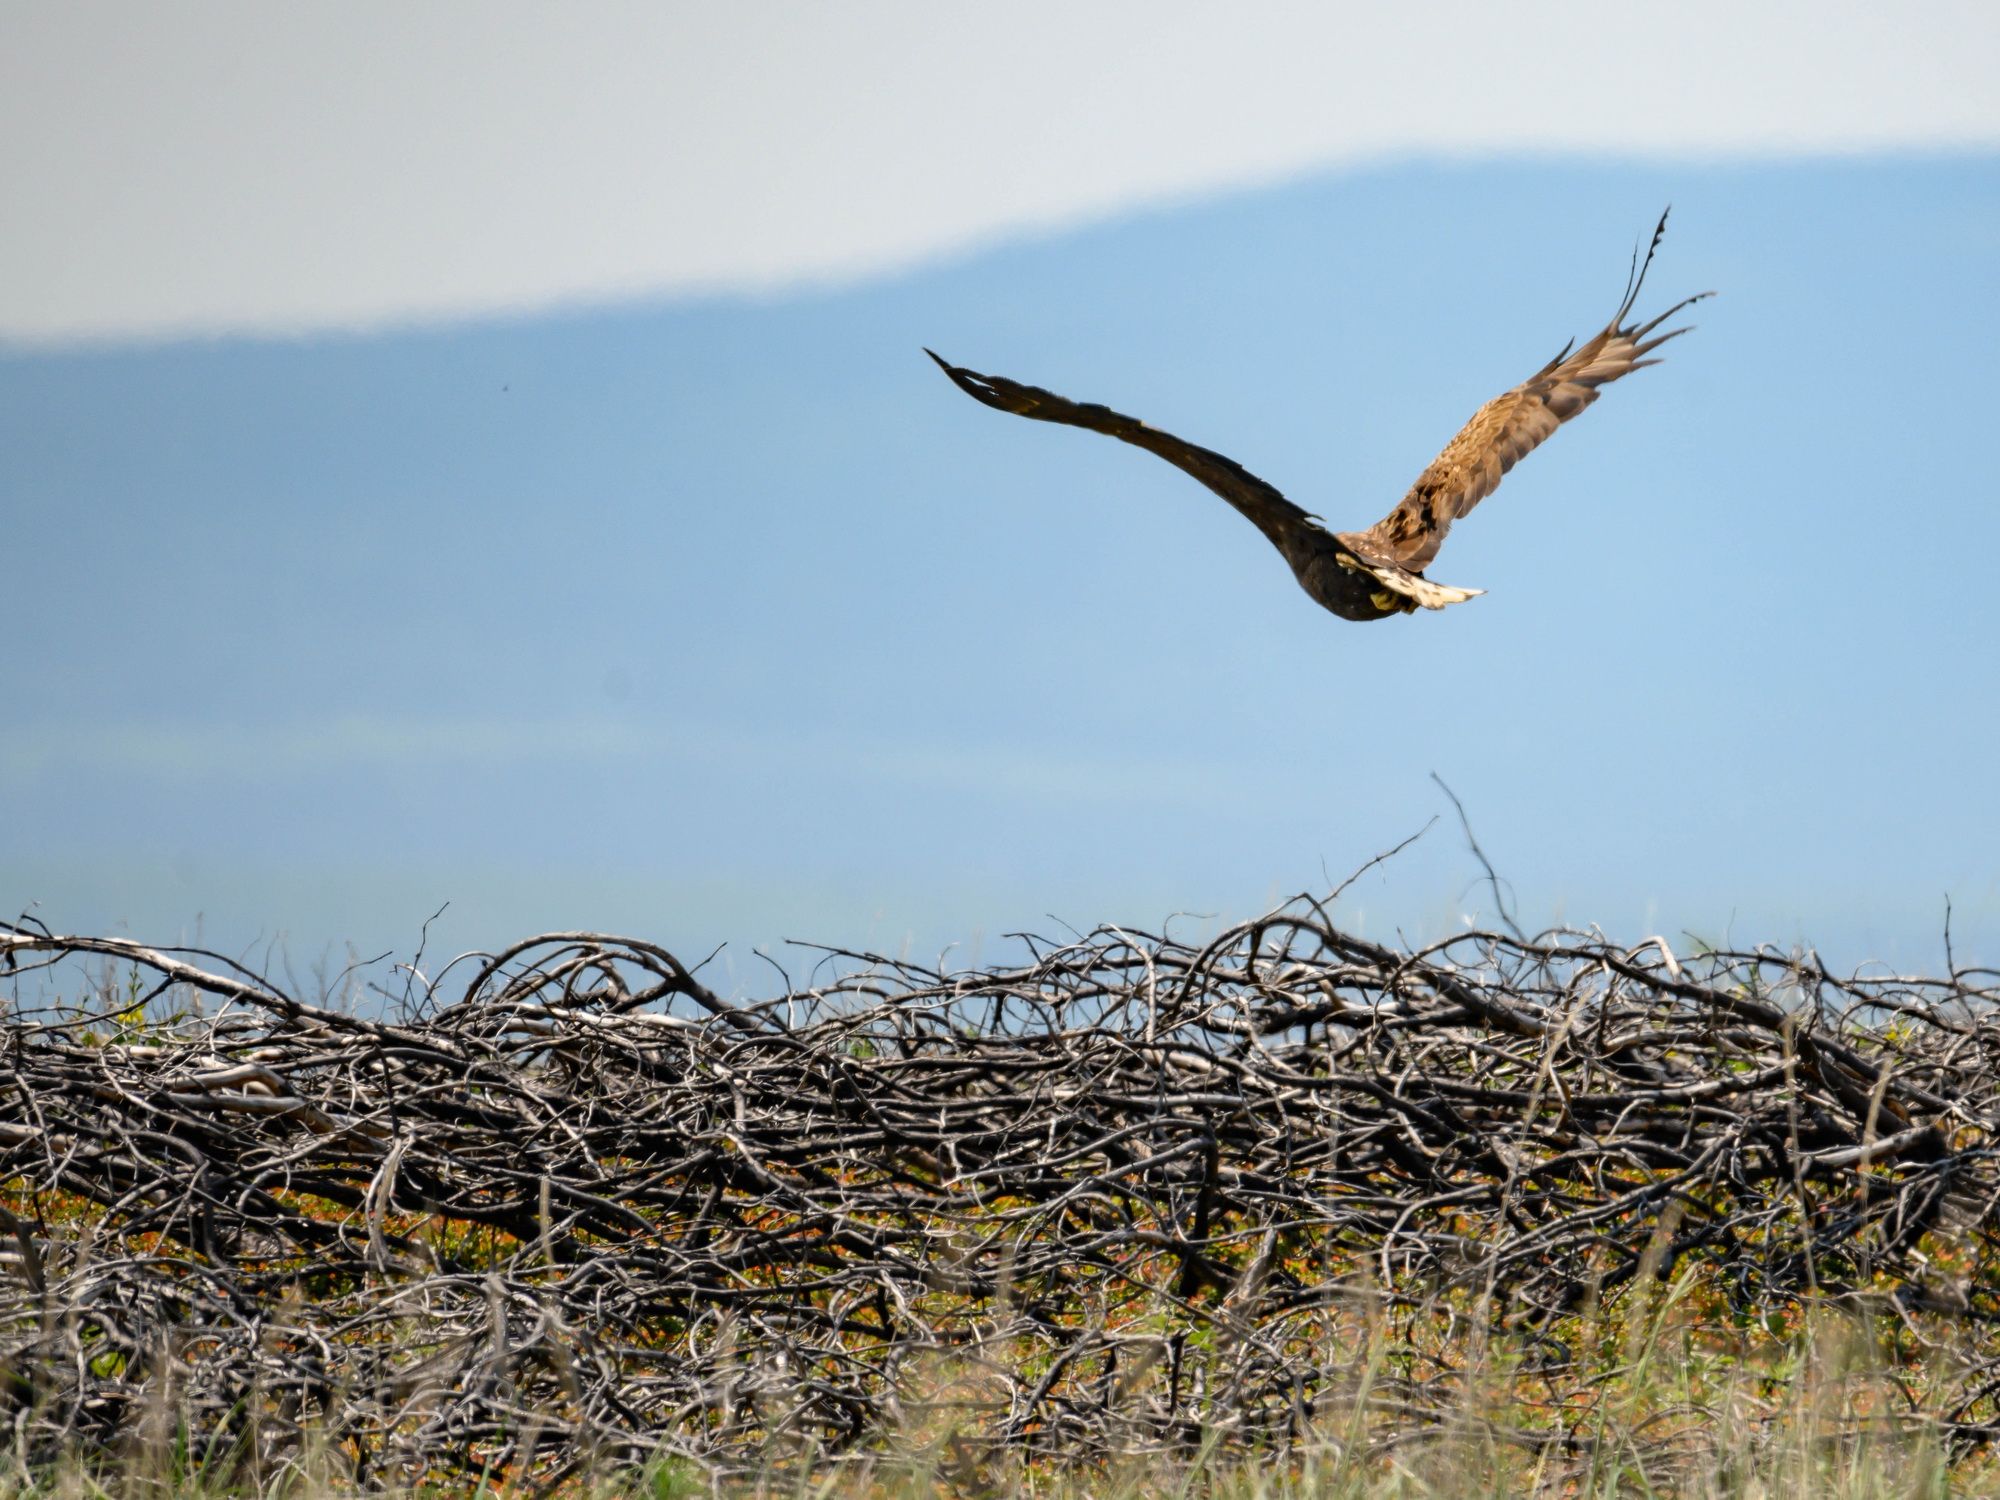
x: 1376, y: 573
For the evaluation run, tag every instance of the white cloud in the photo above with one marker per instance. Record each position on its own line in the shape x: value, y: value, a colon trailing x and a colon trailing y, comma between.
x: 230, y: 164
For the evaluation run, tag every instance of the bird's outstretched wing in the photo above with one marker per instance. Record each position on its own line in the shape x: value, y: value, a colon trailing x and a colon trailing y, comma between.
x: 1509, y: 427
x: 1272, y: 513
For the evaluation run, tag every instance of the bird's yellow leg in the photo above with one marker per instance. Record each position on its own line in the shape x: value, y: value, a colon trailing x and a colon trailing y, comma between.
x: 1385, y: 601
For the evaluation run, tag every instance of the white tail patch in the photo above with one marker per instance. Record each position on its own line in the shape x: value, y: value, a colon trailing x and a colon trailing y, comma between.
x: 1421, y: 590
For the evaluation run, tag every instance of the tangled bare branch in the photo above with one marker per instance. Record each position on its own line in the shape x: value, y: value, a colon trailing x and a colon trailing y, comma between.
x: 1130, y: 1194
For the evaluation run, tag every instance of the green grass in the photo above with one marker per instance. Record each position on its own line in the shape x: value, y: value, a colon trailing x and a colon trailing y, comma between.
x: 1667, y: 1404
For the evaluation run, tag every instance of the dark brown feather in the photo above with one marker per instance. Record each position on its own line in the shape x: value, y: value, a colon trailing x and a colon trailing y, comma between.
x: 1261, y: 501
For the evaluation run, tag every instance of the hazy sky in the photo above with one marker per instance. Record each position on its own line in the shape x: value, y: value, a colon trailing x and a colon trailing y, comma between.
x: 722, y: 617
x: 202, y: 166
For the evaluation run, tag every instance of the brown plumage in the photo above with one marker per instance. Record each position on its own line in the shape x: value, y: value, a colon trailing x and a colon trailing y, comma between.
x: 1372, y: 574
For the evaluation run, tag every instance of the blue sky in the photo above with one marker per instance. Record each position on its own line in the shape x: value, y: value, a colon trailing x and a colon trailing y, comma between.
x: 732, y: 621
x: 365, y: 559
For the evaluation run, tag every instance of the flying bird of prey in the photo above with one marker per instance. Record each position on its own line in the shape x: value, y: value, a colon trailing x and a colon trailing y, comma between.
x: 1372, y: 574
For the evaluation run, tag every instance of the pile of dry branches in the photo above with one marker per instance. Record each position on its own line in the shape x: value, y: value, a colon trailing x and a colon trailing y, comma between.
x: 566, y: 1206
